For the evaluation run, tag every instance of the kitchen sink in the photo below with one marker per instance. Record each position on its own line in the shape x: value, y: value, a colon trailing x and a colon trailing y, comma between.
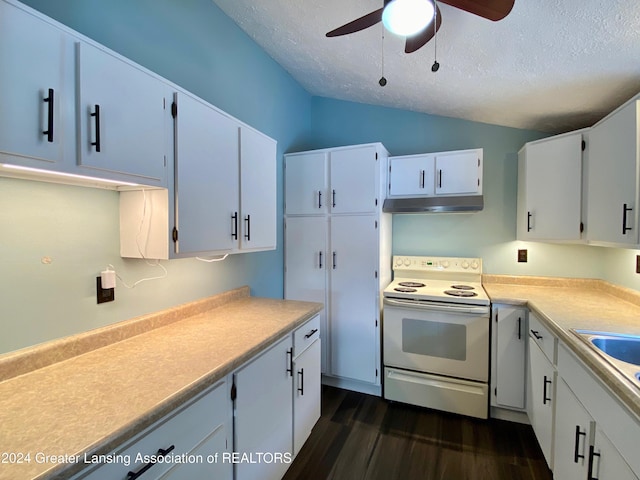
x: 625, y: 348
x: 621, y: 351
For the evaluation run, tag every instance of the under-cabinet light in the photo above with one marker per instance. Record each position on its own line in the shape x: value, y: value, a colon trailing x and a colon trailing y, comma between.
x: 48, y: 173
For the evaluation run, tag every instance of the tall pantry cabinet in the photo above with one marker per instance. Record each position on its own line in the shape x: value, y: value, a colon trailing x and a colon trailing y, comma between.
x: 338, y: 251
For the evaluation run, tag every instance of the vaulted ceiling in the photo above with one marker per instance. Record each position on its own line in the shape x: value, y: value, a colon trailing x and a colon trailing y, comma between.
x: 550, y: 65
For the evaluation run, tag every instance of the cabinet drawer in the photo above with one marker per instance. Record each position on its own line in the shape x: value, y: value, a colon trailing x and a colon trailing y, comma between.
x: 182, y: 430
x: 305, y: 335
x: 542, y: 337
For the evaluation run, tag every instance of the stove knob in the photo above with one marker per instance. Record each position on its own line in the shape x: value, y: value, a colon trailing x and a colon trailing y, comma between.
x: 465, y: 264
x: 398, y: 261
x: 474, y: 265
x: 445, y: 264
x: 407, y: 262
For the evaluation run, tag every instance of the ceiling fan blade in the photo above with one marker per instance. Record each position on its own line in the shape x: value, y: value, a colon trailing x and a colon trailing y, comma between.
x: 418, y: 40
x: 358, y: 24
x: 490, y: 9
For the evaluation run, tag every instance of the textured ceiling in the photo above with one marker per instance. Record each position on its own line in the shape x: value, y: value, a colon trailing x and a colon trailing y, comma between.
x: 550, y: 65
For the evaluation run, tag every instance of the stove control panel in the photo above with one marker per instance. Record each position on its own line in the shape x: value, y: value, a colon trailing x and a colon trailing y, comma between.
x: 437, y: 264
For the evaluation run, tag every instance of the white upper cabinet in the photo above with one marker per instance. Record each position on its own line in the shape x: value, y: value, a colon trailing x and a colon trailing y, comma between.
x: 207, y: 202
x: 412, y: 175
x: 37, y: 94
x: 354, y: 180
x: 612, y: 187
x: 306, y: 184
x: 257, y: 191
x: 550, y: 189
x: 122, y: 115
x: 453, y: 173
x: 458, y: 173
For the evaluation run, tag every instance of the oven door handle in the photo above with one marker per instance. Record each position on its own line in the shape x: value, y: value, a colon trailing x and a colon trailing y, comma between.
x: 393, y: 302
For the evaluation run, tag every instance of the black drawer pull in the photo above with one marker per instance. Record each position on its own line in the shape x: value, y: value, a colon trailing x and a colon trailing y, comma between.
x: 519, y: 328
x: 311, y: 333
x: 536, y: 334
x: 49, y: 131
x: 592, y: 454
x: 290, y: 361
x: 160, y: 453
x: 625, y: 209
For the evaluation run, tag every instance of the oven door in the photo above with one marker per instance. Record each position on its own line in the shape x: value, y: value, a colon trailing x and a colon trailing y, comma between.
x: 442, y: 339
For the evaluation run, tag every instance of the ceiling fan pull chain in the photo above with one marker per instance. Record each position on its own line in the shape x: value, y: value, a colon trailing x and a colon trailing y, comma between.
x: 436, y: 65
x: 382, y: 81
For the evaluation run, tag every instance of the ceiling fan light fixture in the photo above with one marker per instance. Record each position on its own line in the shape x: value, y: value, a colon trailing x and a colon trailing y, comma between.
x: 407, y: 17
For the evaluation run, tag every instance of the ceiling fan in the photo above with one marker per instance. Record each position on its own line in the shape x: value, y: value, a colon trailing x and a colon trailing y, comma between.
x: 490, y: 9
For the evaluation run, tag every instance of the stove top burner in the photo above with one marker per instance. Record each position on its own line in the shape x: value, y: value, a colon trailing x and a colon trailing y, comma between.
x: 405, y: 289
x: 461, y: 293
x: 462, y: 287
x: 412, y: 284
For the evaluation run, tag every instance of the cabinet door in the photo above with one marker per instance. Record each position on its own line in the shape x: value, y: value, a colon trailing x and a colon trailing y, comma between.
x: 264, y: 412
x: 257, y: 191
x: 354, y: 298
x: 551, y: 176
x: 354, y: 180
x: 510, y: 357
x: 305, y: 183
x: 306, y: 263
x: 122, y: 117
x: 412, y: 175
x: 458, y: 173
x: 606, y: 461
x: 36, y: 61
x: 206, y: 178
x: 541, y: 398
x: 306, y: 394
x: 612, y: 215
x: 572, y: 432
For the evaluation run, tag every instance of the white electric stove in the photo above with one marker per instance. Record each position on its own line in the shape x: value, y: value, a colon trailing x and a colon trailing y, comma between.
x: 436, y: 334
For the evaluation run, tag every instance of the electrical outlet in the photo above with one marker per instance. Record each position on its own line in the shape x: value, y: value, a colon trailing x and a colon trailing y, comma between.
x: 104, y: 294
x: 637, y: 263
x: 522, y: 256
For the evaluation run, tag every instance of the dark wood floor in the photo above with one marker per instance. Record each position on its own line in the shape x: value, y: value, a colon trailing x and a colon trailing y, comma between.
x: 362, y: 437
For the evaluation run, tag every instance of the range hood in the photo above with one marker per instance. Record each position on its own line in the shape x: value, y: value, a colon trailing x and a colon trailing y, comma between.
x: 439, y: 204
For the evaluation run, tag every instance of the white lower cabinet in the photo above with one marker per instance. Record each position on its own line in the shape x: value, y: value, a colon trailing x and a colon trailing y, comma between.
x: 541, y: 398
x: 595, y: 436
x: 263, y: 422
x: 306, y: 393
x: 508, y: 346
x: 195, y: 432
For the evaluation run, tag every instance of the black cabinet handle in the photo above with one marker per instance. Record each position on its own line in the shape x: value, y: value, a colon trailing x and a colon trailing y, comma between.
x: 529, y: 221
x: 320, y: 259
x: 247, y: 221
x: 335, y: 255
x: 440, y: 178
x: 592, y: 454
x: 160, y: 453
x: 544, y: 391
x: 96, y: 115
x: 319, y: 198
x: 519, y: 328
x: 625, y: 209
x: 333, y: 198
x: 234, y: 226
x: 49, y: 131
x: 310, y: 334
x: 301, y: 383
x: 536, y: 334
x: 290, y: 361
x: 576, y: 447
x: 421, y: 178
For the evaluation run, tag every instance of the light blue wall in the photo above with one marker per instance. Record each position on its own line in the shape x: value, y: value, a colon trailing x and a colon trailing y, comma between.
x: 195, y: 45
x: 489, y: 234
